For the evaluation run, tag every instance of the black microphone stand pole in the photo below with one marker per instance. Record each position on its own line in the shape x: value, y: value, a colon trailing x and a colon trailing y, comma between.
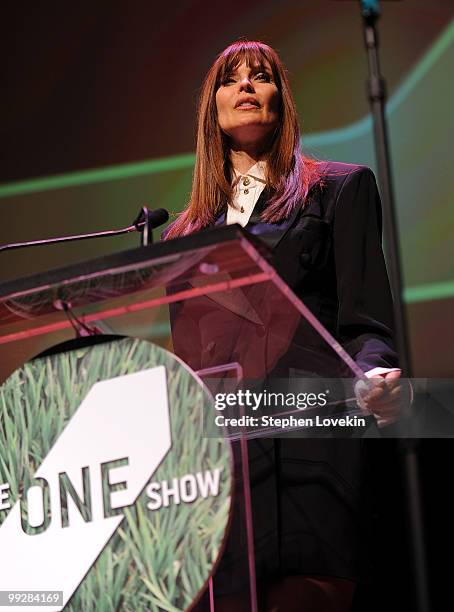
x: 377, y: 95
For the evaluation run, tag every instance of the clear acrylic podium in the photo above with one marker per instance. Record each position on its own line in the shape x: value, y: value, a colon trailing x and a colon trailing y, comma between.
x: 232, y: 320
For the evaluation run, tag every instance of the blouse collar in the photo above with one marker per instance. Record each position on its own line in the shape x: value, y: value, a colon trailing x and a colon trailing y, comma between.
x: 257, y: 171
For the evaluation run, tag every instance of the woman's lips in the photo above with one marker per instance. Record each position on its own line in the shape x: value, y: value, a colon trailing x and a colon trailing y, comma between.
x: 247, y: 106
x: 247, y: 103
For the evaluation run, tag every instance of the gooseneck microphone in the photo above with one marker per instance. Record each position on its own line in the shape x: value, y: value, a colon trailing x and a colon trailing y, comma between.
x: 145, y: 222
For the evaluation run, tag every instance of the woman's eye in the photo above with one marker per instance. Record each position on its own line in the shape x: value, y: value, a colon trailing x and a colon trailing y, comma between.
x: 263, y: 76
x: 228, y: 80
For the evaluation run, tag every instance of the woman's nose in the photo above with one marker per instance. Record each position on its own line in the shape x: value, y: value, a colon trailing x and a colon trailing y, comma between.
x: 246, y: 84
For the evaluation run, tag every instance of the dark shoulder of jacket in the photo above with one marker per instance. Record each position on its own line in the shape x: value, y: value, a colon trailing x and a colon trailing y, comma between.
x: 335, y: 174
x: 324, y: 194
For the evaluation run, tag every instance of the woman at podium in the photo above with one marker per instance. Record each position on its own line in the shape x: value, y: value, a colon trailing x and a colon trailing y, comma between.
x: 323, y: 220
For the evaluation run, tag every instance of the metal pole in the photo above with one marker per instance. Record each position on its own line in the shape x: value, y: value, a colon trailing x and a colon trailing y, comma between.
x: 377, y: 95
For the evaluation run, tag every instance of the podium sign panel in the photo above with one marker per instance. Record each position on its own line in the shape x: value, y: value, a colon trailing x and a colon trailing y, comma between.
x: 109, y: 493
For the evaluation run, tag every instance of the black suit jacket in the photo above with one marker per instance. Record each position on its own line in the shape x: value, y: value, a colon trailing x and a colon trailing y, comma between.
x: 306, y: 493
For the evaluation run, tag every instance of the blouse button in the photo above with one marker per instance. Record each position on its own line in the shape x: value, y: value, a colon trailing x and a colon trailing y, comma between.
x: 246, y: 191
x: 246, y: 180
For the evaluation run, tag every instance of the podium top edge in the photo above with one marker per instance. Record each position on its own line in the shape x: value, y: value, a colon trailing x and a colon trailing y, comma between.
x: 204, y: 238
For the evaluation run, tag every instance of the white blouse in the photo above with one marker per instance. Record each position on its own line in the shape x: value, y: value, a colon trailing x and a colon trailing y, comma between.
x: 247, y: 190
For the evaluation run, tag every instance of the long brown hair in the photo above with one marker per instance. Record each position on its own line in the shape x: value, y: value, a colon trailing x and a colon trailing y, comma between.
x: 289, y: 173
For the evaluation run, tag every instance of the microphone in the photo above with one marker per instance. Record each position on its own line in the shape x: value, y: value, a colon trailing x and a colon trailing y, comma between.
x: 145, y: 222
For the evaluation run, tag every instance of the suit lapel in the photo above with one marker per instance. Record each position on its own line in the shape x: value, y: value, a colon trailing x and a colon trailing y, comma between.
x: 270, y: 233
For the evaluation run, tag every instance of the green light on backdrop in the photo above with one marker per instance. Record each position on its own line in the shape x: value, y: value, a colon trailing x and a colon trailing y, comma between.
x: 432, y: 291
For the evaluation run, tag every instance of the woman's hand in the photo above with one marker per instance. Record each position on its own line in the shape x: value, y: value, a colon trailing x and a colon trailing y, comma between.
x: 384, y: 399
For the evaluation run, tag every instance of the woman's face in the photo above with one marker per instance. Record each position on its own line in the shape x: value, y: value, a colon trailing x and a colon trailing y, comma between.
x: 248, y: 105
